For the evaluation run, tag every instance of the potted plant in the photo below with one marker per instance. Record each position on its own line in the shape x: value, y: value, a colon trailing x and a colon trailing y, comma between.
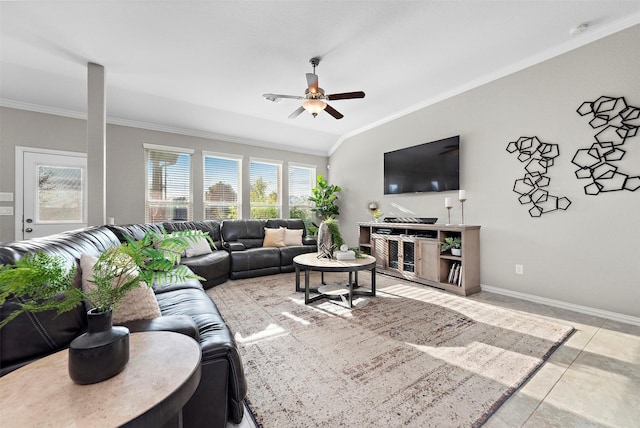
x: 453, y: 243
x: 324, y: 196
x: 43, y: 282
x: 329, y: 237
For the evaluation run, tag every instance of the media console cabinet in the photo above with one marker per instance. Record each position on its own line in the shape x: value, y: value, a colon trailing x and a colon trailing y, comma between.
x: 412, y: 251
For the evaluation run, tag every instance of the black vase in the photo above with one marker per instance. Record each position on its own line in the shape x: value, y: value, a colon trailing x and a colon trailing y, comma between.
x: 100, y: 353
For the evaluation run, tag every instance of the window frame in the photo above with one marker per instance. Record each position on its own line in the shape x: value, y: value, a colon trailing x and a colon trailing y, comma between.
x: 278, y: 164
x: 165, y: 202
x: 205, y: 205
x: 313, y: 169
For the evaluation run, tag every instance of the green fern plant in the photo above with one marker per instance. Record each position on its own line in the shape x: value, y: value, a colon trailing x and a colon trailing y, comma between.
x: 42, y: 282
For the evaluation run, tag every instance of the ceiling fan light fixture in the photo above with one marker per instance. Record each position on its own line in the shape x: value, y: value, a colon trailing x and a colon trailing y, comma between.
x: 314, y: 106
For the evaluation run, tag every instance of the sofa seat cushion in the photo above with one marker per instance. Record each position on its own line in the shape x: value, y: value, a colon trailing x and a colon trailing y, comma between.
x: 215, y: 337
x: 189, y: 283
x: 213, y: 267
x: 255, y: 258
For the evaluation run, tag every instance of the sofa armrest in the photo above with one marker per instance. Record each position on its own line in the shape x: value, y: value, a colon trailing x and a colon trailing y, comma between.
x: 234, y: 246
x: 177, y: 323
x: 309, y: 241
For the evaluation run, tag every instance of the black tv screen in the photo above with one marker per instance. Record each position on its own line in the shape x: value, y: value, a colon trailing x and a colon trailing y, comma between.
x: 428, y: 167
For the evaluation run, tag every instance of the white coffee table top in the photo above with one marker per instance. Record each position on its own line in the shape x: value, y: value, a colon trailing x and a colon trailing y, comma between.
x: 311, y: 260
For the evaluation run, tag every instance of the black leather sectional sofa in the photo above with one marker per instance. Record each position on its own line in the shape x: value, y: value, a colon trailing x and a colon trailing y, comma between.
x: 185, y: 308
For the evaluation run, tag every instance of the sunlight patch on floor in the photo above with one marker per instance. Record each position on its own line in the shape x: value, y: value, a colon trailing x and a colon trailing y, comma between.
x: 477, y: 357
x: 270, y: 332
x: 295, y: 318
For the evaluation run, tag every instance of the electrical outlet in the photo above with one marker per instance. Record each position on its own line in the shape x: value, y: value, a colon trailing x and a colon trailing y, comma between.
x: 6, y: 196
x: 520, y: 269
x: 6, y: 210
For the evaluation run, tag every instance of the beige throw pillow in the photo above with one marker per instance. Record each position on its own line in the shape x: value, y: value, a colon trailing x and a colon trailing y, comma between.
x: 139, y: 303
x: 273, y: 237
x: 292, y: 236
x: 197, y: 248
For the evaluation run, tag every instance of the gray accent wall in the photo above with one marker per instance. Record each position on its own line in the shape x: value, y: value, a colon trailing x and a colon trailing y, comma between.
x: 588, y: 255
x: 125, y: 166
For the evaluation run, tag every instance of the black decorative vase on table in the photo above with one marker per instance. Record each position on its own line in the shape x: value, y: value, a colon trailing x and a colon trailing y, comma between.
x: 100, y: 353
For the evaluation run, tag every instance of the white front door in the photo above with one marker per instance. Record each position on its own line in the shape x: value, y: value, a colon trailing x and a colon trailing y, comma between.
x: 54, y: 192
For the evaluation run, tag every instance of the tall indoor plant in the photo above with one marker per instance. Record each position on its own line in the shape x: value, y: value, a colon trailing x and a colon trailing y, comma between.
x: 325, y: 197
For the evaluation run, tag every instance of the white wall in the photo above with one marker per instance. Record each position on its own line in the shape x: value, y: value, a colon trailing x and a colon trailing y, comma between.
x: 588, y: 255
x: 125, y: 159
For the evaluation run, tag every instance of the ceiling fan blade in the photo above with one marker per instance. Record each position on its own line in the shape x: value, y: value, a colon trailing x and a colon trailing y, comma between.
x: 312, y: 82
x: 333, y: 112
x: 345, y: 96
x: 277, y: 97
x: 296, y: 113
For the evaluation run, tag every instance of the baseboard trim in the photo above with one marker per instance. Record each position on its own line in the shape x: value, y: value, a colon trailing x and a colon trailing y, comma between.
x: 614, y: 316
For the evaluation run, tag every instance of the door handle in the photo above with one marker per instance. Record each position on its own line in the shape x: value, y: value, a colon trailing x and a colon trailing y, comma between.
x: 28, y: 230
x: 29, y: 220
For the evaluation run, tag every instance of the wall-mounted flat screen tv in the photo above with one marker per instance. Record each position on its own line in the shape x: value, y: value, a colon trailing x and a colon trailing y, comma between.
x: 428, y: 167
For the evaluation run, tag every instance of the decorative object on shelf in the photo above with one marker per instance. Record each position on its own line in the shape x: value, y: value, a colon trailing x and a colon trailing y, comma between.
x: 43, y: 282
x: 619, y: 122
x: 372, y: 207
x: 324, y: 196
x: 539, y: 157
x: 100, y: 353
x: 462, y: 197
x: 329, y: 238
x: 345, y: 253
x: 453, y: 243
x: 448, y: 205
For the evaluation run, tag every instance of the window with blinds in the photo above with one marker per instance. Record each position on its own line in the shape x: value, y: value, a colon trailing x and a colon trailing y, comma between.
x: 302, y: 178
x: 222, y: 186
x: 168, y: 184
x: 265, y: 181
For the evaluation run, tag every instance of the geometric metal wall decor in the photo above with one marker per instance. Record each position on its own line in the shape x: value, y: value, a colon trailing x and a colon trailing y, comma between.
x: 615, y: 122
x: 539, y: 157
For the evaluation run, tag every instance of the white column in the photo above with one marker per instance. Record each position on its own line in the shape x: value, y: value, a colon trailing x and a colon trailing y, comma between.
x: 96, y: 144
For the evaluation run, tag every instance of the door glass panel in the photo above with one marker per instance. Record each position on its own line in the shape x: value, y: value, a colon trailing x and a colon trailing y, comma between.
x: 59, y: 195
x: 393, y: 254
x: 408, y: 263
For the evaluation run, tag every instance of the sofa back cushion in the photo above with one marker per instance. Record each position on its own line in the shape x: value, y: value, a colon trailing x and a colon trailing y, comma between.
x: 210, y: 226
x: 288, y: 223
x: 250, y: 233
x: 134, y: 231
x: 30, y: 336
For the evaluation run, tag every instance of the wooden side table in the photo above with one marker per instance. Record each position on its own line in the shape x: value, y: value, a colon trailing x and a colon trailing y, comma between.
x: 162, y: 373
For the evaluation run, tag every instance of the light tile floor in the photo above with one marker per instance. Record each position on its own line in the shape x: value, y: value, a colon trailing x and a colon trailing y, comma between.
x: 592, y: 380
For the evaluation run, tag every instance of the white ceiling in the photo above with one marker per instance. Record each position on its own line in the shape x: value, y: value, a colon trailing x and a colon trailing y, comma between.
x: 201, y: 67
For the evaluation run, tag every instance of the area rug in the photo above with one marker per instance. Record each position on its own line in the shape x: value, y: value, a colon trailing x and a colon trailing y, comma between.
x: 411, y: 356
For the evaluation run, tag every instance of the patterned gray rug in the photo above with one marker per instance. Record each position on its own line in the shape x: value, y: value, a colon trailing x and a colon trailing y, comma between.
x: 411, y: 356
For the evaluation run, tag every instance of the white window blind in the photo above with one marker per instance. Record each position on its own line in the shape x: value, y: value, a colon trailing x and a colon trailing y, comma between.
x: 222, y: 186
x: 301, y: 180
x: 168, y: 185
x: 265, y: 180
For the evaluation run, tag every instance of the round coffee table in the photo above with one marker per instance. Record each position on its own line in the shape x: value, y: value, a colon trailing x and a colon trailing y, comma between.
x: 162, y: 373
x: 311, y: 262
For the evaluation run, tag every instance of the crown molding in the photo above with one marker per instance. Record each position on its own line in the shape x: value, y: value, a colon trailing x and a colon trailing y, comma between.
x: 576, y: 42
x: 37, y: 108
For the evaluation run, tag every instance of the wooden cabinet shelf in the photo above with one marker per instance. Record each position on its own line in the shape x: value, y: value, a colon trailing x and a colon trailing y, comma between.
x: 412, y: 251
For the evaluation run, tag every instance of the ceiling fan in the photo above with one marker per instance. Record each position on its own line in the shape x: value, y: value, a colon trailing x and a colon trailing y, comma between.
x: 314, y: 99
